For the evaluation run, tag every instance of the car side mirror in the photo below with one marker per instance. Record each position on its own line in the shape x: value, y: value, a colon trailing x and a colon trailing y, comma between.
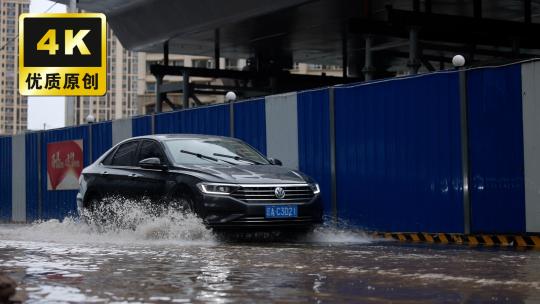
x: 275, y: 161
x: 152, y: 163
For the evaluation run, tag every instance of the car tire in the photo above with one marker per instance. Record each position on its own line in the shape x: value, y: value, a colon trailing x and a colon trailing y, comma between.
x: 183, y: 204
x: 88, y: 215
x: 98, y: 213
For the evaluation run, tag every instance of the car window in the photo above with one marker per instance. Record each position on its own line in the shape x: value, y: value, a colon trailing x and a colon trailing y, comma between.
x: 125, y: 154
x: 209, y: 146
x: 108, y: 159
x: 150, y: 149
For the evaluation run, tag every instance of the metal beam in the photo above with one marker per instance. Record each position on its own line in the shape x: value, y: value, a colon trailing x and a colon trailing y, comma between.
x: 400, y: 54
x: 427, y: 64
x: 178, y: 87
x: 223, y: 92
x: 413, y: 63
x: 171, y: 87
x: 159, y: 97
x: 344, y: 51
x: 196, y: 99
x: 157, y: 70
x: 368, y: 65
x: 515, y: 47
x: 185, y: 90
x: 172, y: 105
x: 216, y: 49
x: 386, y: 46
x: 166, y: 53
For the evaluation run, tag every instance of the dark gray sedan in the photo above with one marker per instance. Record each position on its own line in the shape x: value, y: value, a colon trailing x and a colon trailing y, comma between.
x: 223, y: 180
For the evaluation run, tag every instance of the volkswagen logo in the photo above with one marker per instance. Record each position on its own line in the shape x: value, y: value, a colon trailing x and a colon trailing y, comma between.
x: 279, y: 192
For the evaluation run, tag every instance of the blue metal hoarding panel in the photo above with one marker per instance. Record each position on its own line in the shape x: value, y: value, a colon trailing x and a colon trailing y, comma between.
x: 213, y: 120
x: 101, y: 138
x: 142, y: 125
x: 496, y: 150
x: 32, y: 178
x: 314, y: 140
x: 5, y: 178
x: 249, y: 123
x: 398, y: 161
x: 60, y: 203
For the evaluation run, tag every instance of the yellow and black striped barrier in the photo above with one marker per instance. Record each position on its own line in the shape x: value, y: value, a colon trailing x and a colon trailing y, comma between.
x: 465, y: 239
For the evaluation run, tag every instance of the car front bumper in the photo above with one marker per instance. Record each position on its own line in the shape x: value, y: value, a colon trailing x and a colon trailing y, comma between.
x: 226, y: 212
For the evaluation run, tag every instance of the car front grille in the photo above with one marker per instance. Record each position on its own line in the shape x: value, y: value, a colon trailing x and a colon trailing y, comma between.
x: 300, y: 193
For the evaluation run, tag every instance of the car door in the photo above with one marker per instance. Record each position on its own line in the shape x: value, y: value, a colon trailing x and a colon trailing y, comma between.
x: 100, y: 178
x: 119, y: 175
x: 151, y: 183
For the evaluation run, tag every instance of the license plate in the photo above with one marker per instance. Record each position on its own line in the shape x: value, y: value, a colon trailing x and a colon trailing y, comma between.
x: 281, y: 211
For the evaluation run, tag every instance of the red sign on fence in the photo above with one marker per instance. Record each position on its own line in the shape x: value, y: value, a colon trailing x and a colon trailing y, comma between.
x: 64, y: 164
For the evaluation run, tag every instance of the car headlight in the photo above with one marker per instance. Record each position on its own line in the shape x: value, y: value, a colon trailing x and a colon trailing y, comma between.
x: 315, y: 188
x: 212, y: 188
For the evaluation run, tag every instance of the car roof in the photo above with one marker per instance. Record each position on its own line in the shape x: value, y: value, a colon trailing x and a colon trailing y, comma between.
x: 162, y: 137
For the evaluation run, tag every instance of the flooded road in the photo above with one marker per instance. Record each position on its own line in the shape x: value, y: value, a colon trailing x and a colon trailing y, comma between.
x: 165, y: 261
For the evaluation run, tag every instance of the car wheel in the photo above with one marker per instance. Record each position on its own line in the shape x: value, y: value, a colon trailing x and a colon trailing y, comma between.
x: 182, y: 203
x: 98, y: 212
x: 88, y: 214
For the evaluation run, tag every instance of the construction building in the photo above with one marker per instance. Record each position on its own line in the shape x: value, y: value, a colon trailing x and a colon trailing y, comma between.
x: 13, y: 106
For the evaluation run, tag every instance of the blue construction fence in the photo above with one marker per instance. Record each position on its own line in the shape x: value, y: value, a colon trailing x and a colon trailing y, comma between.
x: 387, y: 154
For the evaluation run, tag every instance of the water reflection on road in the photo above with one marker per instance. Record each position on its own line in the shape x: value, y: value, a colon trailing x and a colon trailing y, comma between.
x: 70, y: 262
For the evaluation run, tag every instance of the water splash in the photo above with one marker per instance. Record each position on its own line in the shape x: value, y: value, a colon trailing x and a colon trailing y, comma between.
x: 337, y: 231
x: 333, y: 234
x: 120, y: 221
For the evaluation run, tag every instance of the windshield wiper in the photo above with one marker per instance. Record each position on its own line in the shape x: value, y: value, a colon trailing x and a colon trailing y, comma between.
x: 236, y: 157
x: 199, y: 155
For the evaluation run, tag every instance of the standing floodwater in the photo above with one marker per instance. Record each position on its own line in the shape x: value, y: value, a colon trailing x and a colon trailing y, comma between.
x: 167, y: 260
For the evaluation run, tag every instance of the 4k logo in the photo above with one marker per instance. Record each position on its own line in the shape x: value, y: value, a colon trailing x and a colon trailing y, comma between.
x: 71, y: 42
x: 62, y: 54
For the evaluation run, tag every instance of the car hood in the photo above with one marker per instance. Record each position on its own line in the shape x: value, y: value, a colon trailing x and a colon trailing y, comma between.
x: 249, y: 174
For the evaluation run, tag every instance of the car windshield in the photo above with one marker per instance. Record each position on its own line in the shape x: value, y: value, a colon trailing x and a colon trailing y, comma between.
x: 199, y: 151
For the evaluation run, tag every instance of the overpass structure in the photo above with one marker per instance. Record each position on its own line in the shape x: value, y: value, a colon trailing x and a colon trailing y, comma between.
x: 369, y: 39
